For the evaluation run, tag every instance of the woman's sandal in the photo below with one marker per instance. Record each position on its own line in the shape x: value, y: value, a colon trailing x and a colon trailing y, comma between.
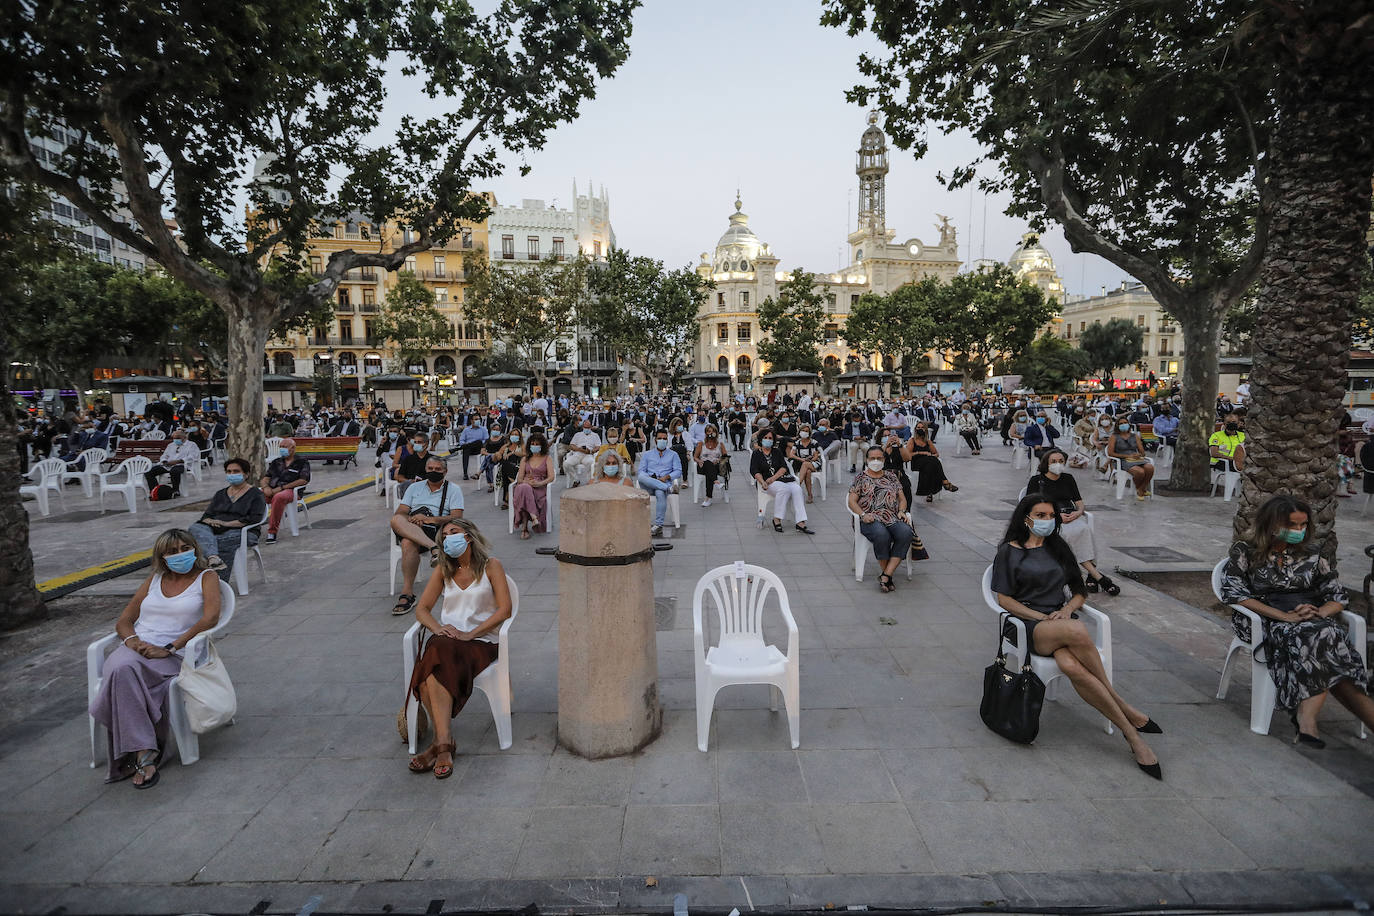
x: 147, y: 759
x: 524, y: 534
x: 950, y: 487
x: 777, y: 525
x: 403, y: 605
x: 885, y: 583
x: 805, y: 530
x: 1108, y: 586
x: 424, y: 761
x: 444, y: 770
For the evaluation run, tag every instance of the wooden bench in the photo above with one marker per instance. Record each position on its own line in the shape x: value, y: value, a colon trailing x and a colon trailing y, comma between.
x: 342, y: 449
x: 151, y: 449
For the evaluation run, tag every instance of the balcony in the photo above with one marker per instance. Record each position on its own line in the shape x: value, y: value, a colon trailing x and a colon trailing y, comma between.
x: 533, y: 256
x: 368, y: 308
x: 343, y: 308
x: 508, y: 256
x: 314, y: 341
x: 452, y: 275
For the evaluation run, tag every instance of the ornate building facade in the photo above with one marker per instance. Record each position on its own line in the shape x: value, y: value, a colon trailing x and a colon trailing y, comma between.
x: 746, y: 272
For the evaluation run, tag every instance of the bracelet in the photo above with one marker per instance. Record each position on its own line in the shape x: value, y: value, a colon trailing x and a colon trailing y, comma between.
x: 129, y: 637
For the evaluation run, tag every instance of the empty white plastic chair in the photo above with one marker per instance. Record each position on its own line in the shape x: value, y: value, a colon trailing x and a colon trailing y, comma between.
x: 240, y: 570
x: 1230, y: 478
x: 861, y: 547
x: 88, y: 473
x: 187, y: 741
x: 494, y: 681
x: 1164, y: 454
x: 133, y: 470
x: 42, y: 476
x: 1263, y: 692
x: 1046, y: 668
x: 739, y: 593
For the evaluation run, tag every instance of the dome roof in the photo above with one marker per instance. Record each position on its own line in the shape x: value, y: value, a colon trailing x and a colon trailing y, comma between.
x: 738, y: 246
x: 1030, y: 254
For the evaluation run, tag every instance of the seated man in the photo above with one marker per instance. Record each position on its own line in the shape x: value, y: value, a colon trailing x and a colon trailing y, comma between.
x: 409, y: 459
x: 1166, y: 428
x: 581, y: 451
x: 424, y: 508
x: 1228, y: 443
x: 89, y: 436
x: 857, y: 434
x: 659, y: 468
x: 179, y: 454
x: 471, y: 438
x: 286, y: 474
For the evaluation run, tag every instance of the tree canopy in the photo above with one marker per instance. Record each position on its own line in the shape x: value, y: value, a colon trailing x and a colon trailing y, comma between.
x: 1111, y: 346
x: 409, y: 320
x: 528, y: 308
x: 794, y: 324
x: 900, y: 324
x: 986, y: 315
x: 1051, y: 364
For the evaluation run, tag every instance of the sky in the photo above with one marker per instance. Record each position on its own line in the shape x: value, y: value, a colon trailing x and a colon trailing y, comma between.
x: 722, y: 95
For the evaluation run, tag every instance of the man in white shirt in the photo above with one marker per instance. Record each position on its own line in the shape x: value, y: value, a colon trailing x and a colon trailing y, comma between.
x: 581, y: 452
x: 181, y: 453
x: 1242, y: 393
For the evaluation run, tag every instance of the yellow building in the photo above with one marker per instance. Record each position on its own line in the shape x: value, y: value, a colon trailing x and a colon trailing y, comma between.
x: 349, y: 342
x: 1162, y: 347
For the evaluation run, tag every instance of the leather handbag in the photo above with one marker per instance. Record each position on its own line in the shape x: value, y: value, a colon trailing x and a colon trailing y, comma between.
x: 1011, y: 700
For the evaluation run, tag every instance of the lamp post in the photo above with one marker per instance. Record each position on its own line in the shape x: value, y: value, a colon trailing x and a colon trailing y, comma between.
x: 333, y: 378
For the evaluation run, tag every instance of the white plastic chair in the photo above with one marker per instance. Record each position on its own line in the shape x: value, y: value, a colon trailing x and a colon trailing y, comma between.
x: 93, y: 458
x: 272, y: 447
x: 739, y: 593
x: 698, y: 484
x: 861, y: 547
x: 1046, y: 668
x: 494, y: 681
x: 187, y: 741
x: 297, y: 506
x: 1121, y: 478
x: 134, y: 468
x: 762, y: 496
x: 550, y: 507
x: 1263, y: 692
x: 155, y: 433
x: 1164, y: 454
x: 42, y: 484
x: 1230, y: 477
x: 674, y: 514
x: 240, y: 570
x: 822, y: 474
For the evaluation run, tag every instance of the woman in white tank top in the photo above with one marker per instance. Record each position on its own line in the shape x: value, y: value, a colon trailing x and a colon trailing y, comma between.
x: 462, y: 608
x: 179, y: 600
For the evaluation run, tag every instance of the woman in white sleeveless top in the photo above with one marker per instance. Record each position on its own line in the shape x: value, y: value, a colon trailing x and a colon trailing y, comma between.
x: 179, y: 600
x: 464, y: 604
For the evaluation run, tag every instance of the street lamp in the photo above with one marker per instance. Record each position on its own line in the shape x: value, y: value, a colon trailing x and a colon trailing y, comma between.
x: 333, y: 378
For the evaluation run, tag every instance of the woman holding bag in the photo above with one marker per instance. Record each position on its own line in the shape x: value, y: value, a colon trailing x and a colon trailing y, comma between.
x: 179, y: 600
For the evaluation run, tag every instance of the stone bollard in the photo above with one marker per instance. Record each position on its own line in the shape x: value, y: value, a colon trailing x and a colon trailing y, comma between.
x: 607, y: 647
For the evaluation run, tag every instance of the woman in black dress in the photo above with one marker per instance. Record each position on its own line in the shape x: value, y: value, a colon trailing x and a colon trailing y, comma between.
x: 1030, y: 574
x: 925, y: 461
x: 1076, y: 523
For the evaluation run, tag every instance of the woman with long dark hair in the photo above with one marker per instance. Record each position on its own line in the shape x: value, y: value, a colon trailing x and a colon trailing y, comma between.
x: 1033, y: 569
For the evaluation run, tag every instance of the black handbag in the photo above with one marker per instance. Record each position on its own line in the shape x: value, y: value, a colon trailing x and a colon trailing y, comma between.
x: 1011, y: 700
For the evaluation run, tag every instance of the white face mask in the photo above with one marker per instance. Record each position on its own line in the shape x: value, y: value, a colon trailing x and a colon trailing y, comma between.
x: 875, y: 464
x: 1057, y: 467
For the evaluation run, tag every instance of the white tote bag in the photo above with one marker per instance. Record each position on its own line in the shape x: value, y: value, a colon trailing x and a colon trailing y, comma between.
x: 207, y: 691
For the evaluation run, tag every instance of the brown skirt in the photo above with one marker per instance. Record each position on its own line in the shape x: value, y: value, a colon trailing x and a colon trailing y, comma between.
x: 455, y: 663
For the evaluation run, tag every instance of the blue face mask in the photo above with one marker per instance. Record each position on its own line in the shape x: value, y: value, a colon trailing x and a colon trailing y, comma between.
x: 536, y: 449
x: 612, y: 470
x: 1043, y: 527
x: 1124, y: 427
x: 455, y: 544
x: 180, y: 562
x: 283, y: 452
x: 1042, y: 420
x: 233, y: 479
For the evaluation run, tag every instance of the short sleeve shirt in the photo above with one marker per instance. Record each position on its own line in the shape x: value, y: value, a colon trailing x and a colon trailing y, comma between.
x: 880, y: 497
x: 419, y: 496
x: 1032, y: 577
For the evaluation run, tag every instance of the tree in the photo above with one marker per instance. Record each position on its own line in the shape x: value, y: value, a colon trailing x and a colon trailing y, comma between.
x: 166, y: 113
x: 1111, y: 346
x: 409, y: 319
x: 1051, y: 364
x: 900, y: 324
x: 529, y: 309
x: 986, y: 315
x: 1141, y: 128
x: 794, y: 324
x: 644, y: 312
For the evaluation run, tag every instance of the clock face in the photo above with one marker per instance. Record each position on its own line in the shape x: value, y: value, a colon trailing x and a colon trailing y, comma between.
x: 915, y: 249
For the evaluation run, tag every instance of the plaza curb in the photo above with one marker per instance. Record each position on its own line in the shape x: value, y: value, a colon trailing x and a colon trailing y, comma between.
x: 65, y: 584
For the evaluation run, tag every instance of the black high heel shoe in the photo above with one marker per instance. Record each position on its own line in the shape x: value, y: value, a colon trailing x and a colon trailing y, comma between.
x: 1107, y: 585
x: 1149, y: 769
x: 1303, y: 738
x: 1151, y: 727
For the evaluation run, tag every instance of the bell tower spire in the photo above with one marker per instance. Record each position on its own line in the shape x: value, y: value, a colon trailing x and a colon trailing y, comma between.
x: 872, y: 172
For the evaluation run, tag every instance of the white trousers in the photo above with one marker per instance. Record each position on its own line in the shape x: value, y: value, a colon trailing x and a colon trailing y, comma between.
x: 578, y: 465
x: 1078, y: 534
x: 782, y: 494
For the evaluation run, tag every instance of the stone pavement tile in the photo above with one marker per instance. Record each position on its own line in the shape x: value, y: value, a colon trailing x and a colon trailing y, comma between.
x: 963, y: 727
x: 871, y: 839
x: 1269, y: 890
x: 754, y: 777
x: 533, y: 695
x: 979, y: 836
x: 274, y: 846
x: 897, y: 892
x: 933, y: 774
x: 26, y: 899
x: 174, y: 847
x: 558, y: 895
x: 212, y: 785
x: 571, y: 842
x: 1019, y: 773
x: 1065, y: 889
x: 687, y: 778
x: 1105, y: 771
x: 837, y: 728
x: 1285, y: 771
x: 75, y: 849
x: 137, y: 899
x: 671, y: 840
x: 679, y: 734
x: 835, y: 777
x: 770, y: 839
x: 1262, y: 828
x: 19, y: 773
x: 65, y: 790
x: 678, y: 692
x: 572, y: 780
x: 531, y: 732
x: 755, y: 729
x: 455, y: 848
x: 719, y: 893
x: 1168, y: 834
x: 1153, y: 686
x: 330, y: 784
x: 370, y: 846
x: 677, y: 664
x: 510, y: 781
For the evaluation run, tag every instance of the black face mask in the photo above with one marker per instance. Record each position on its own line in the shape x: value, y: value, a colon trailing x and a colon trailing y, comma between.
x: 434, y: 476
x: 1232, y: 427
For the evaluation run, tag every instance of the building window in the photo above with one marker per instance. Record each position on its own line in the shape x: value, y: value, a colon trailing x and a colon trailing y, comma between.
x: 532, y: 246
x: 346, y: 330
x: 467, y: 238
x: 364, y: 233
x: 410, y: 264
x: 508, y: 247
x: 1140, y: 321
x: 344, y: 302
x: 832, y: 333
x: 744, y: 332
x: 1166, y: 346
x: 744, y: 300
x: 316, y: 265
x: 369, y: 296
x: 407, y: 236
x: 1082, y: 326
x: 441, y: 295
x: 439, y: 267
x: 830, y: 301
x: 368, y: 331
x: 723, y: 332
x: 321, y: 335
x: 853, y: 300
x: 558, y: 249
x: 338, y: 230
x: 720, y: 300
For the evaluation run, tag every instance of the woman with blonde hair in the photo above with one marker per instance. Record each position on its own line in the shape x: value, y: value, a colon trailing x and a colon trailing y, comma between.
x: 468, y: 590
x: 610, y: 467
x: 179, y: 600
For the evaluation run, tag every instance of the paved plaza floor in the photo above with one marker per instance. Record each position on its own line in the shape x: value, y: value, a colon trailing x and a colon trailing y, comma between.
x: 897, y: 796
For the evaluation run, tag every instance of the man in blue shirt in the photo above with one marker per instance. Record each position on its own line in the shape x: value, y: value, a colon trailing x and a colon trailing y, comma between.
x: 471, y: 439
x: 659, y: 467
x: 1166, y: 428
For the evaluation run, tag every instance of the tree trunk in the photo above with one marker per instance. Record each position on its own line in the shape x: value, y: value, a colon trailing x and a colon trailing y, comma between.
x: 1322, y: 156
x: 20, y: 601
x: 249, y: 328
x: 1192, y: 465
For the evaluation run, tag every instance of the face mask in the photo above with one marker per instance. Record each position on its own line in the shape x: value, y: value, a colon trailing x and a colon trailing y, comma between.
x: 434, y: 476
x: 1056, y: 467
x: 875, y: 464
x: 283, y: 452
x: 455, y: 544
x: 613, y: 437
x: 1043, y: 527
x: 823, y: 427
x: 419, y: 445
x: 1042, y: 420
x: 536, y: 449
x: 612, y: 470
x: 1232, y: 427
x: 767, y: 443
x: 392, y: 436
x: 661, y: 443
x: 514, y: 438
x: 233, y: 479
x: 1124, y: 427
x: 181, y: 562
x: 1293, y: 535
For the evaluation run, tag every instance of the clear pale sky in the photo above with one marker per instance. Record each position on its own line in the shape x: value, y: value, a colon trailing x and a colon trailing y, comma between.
x: 751, y: 94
